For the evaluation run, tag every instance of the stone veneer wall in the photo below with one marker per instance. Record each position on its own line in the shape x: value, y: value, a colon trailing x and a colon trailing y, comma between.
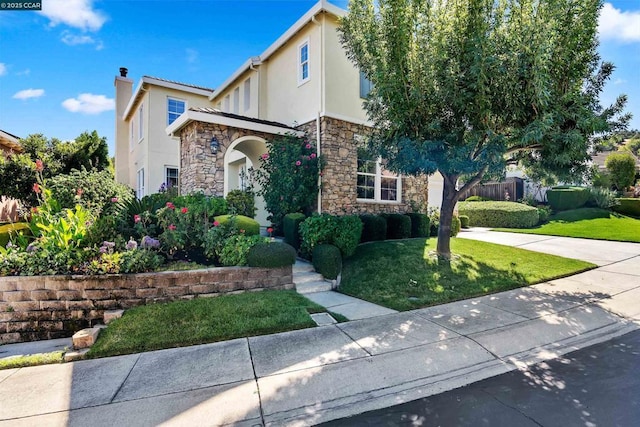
x: 340, y: 151
x: 199, y: 169
x: 45, y: 307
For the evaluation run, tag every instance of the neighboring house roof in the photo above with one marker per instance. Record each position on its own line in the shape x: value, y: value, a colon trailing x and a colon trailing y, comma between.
x: 145, y: 81
x: 321, y: 6
x: 600, y: 158
x: 212, y: 115
x: 10, y: 141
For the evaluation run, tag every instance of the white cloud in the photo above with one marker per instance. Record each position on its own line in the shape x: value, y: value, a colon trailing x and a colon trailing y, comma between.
x: 192, y: 55
x: 619, y: 81
x: 24, y: 72
x: 74, y: 13
x: 29, y: 93
x: 75, y: 39
x: 88, y: 103
x: 615, y: 24
x: 3, y: 69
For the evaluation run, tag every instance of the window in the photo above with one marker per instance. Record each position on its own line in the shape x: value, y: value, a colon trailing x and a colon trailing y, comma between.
x: 303, y: 62
x: 171, y: 176
x: 227, y: 102
x: 247, y: 95
x: 236, y: 101
x: 141, y: 123
x: 365, y: 86
x: 140, y: 184
x: 376, y: 183
x: 175, y: 108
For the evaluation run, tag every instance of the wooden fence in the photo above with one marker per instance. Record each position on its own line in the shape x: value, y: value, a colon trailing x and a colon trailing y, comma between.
x: 511, y: 189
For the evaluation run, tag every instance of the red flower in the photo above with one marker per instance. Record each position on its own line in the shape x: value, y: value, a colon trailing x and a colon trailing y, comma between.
x: 216, y: 223
x: 136, y: 218
x: 265, y: 156
x: 36, y: 188
x: 34, y: 210
x: 298, y: 163
x: 184, y: 210
x: 171, y: 205
x: 172, y: 227
x: 270, y: 230
x: 39, y: 165
x: 308, y: 146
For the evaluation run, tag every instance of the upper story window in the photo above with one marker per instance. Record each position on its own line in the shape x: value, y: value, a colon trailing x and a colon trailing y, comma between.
x: 141, y: 123
x: 236, y: 101
x: 175, y: 107
x: 375, y: 183
x: 247, y: 95
x: 365, y: 86
x: 140, y: 190
x: 227, y: 104
x: 303, y: 62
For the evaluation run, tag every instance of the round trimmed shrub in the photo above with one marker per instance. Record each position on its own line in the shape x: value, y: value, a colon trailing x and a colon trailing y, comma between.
x: 327, y: 261
x: 271, y: 255
x: 564, y: 198
x: 341, y: 231
x: 499, y: 214
x: 250, y: 226
x: 398, y: 226
x: 455, y: 226
x: 477, y: 199
x: 419, y: 224
x: 290, y: 224
x: 628, y: 206
x: 241, y: 203
x: 464, y: 221
x: 374, y: 228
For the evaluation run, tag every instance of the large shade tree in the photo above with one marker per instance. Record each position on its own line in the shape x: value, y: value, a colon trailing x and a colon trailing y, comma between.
x: 462, y: 86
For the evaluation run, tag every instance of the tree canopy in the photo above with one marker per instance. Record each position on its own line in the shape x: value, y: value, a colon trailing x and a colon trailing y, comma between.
x: 463, y: 86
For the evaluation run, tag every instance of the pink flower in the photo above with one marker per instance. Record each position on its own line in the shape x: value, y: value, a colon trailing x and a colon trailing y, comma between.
x: 136, y: 218
x: 265, y: 156
x: 114, y: 200
x: 172, y: 227
x: 79, y: 192
x: 216, y: 223
x: 270, y: 230
x: 39, y: 165
x: 34, y: 210
x: 184, y: 210
x: 36, y: 188
x: 241, y: 231
x: 298, y: 163
x: 313, y: 155
x: 170, y: 205
x: 308, y: 146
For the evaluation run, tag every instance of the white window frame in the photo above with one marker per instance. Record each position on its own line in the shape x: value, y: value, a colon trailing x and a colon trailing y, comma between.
x: 365, y: 86
x: 140, y: 187
x: 301, y: 63
x: 166, y: 175
x: 172, y: 98
x: 378, y: 185
x: 227, y: 103
x: 247, y: 94
x: 236, y: 100
x: 141, y: 123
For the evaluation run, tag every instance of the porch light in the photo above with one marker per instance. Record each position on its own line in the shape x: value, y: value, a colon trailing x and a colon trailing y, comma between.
x: 214, y: 145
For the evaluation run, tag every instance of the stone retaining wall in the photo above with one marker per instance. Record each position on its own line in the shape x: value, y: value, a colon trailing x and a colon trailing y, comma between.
x: 45, y: 307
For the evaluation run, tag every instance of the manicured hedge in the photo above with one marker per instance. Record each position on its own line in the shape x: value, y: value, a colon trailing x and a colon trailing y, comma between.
x: 419, y: 224
x: 327, y: 261
x: 250, y: 226
x: 398, y: 226
x: 564, y: 198
x: 456, y: 224
x: 341, y: 231
x: 464, y: 221
x: 499, y: 214
x: 271, y: 255
x: 290, y: 224
x: 374, y: 228
x: 628, y: 206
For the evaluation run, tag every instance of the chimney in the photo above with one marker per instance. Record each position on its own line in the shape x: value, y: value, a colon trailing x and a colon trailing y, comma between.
x: 123, y: 72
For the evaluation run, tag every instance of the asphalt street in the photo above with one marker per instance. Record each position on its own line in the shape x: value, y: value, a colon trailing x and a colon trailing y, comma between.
x: 594, y: 386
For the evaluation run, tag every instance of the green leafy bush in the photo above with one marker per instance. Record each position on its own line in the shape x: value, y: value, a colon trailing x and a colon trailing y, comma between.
x: 271, y: 255
x: 544, y: 212
x: 374, y: 228
x: 241, y: 203
x: 7, y: 231
x: 622, y: 169
x: 291, y: 224
x: 628, y: 206
x: 564, y: 198
x: 434, y: 221
x: 327, y: 261
x: 477, y: 199
x: 236, y: 248
x: 140, y: 261
x: 464, y: 221
x: 455, y: 226
x: 419, y: 224
x: 602, y: 198
x: 398, y: 226
x: 499, y: 214
x: 249, y: 225
x: 341, y: 231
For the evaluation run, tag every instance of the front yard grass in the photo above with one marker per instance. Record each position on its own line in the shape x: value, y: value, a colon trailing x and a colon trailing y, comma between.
x: 587, y: 223
x: 204, y: 320
x: 405, y: 275
x: 31, y: 360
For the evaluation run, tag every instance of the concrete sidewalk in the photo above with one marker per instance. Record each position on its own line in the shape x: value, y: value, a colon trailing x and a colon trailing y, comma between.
x: 314, y: 375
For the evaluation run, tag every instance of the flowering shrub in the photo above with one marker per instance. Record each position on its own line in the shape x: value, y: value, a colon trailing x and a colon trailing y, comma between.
x: 235, y: 249
x: 288, y: 177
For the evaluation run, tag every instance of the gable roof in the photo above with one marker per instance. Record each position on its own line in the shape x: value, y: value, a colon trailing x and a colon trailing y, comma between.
x: 145, y: 81
x: 600, y: 158
x: 10, y: 141
x: 321, y: 6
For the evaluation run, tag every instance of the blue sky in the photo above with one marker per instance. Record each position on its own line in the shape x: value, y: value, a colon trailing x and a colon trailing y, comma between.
x: 57, y: 66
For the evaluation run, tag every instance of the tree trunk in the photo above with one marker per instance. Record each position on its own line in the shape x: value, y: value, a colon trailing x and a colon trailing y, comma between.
x: 449, y: 200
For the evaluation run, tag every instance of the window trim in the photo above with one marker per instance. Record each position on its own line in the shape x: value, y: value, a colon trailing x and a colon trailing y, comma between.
x: 377, y: 189
x: 236, y: 100
x: 172, y: 98
x: 246, y: 92
x: 363, y: 80
x: 140, y: 187
x: 166, y: 175
x: 141, y: 123
x: 300, y: 63
x: 226, y: 103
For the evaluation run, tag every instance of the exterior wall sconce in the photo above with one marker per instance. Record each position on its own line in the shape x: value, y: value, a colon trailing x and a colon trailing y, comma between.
x: 214, y: 145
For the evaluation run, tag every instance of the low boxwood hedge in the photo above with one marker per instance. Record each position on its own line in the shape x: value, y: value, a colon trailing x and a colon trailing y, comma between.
x: 374, y: 228
x: 419, y: 224
x: 271, y: 255
x: 327, y: 261
x: 564, y: 198
x: 249, y: 225
x: 398, y: 226
x: 628, y: 206
x: 290, y: 225
x: 499, y: 214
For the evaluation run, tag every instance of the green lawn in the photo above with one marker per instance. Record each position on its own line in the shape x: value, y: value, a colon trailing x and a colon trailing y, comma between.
x: 405, y: 274
x: 204, y: 320
x: 588, y: 223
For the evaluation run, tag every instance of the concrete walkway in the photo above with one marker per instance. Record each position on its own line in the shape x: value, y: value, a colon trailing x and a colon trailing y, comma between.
x: 319, y: 374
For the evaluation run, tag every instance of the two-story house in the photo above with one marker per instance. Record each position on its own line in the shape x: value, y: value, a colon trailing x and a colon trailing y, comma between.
x: 146, y: 157
x: 305, y: 84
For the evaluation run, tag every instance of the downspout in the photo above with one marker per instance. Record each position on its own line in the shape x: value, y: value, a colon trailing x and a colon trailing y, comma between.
x: 320, y: 174
x: 321, y: 101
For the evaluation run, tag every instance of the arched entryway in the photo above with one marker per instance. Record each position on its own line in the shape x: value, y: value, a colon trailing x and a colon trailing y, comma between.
x: 243, y: 155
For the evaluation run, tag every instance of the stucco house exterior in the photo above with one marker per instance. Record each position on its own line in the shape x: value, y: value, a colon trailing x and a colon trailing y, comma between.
x: 146, y: 157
